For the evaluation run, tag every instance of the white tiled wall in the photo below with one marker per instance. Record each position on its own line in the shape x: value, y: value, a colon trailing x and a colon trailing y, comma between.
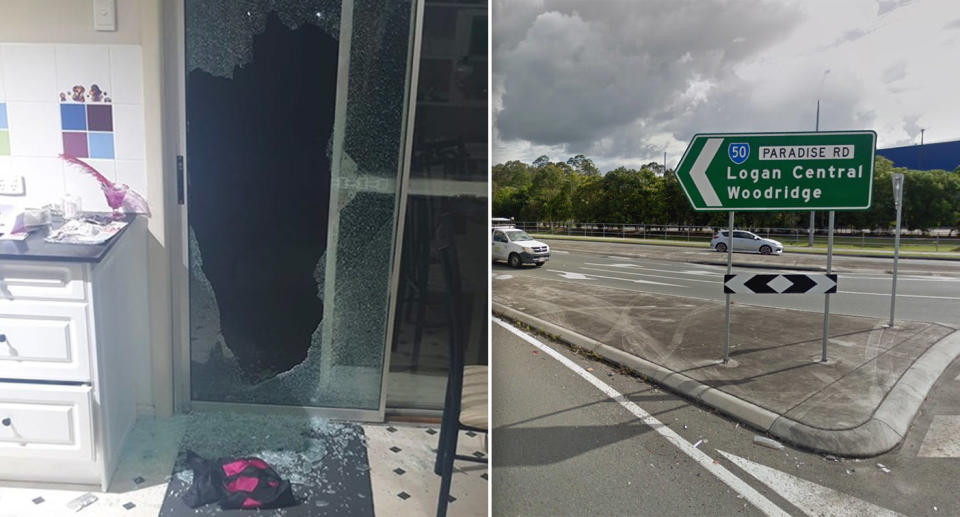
x: 31, y: 79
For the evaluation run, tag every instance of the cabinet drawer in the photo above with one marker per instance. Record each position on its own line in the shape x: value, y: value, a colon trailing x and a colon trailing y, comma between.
x: 45, y: 422
x: 44, y: 341
x: 41, y: 281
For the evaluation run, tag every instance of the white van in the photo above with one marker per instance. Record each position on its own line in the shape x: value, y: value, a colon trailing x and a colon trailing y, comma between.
x: 515, y: 246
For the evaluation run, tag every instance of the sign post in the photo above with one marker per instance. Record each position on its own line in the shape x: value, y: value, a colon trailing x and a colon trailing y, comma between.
x: 726, y: 342
x: 898, y: 202
x: 780, y: 172
x: 826, y: 297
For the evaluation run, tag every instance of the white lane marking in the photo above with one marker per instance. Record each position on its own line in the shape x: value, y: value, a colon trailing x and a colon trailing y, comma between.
x: 811, y: 498
x: 503, y: 277
x: 615, y: 278
x: 558, y: 252
x: 654, y: 276
x: 740, y: 486
x: 902, y: 277
x: 902, y: 295
x: 942, y: 439
x: 572, y: 276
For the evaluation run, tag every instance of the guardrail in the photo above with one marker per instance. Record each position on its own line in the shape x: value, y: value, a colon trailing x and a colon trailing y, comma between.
x: 848, y: 238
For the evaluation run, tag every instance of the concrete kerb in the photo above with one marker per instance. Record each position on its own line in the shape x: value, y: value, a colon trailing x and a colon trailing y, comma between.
x: 881, y: 433
x: 746, y: 412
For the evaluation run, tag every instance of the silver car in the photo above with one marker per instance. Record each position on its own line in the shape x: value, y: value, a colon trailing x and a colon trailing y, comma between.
x: 746, y: 241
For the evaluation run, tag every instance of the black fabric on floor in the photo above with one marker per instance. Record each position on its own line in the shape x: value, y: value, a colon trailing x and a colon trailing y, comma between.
x: 336, y: 485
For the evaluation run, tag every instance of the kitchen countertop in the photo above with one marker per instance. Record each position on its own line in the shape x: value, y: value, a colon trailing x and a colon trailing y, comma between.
x: 35, y: 248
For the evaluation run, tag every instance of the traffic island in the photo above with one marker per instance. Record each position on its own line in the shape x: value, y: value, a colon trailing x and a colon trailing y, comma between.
x: 859, y: 403
x: 702, y: 254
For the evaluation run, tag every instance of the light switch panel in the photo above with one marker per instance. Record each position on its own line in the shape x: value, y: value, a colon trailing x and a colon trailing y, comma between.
x: 11, y: 185
x: 105, y: 15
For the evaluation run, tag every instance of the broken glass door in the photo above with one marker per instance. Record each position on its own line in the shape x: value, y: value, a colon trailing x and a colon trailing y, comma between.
x: 295, y: 112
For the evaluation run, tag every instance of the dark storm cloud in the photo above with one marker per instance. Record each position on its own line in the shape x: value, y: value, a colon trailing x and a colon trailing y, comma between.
x: 894, y: 72
x: 604, y: 75
x: 885, y: 6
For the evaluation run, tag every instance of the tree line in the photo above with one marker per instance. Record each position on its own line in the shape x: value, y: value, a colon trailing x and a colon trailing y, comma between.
x: 575, y: 190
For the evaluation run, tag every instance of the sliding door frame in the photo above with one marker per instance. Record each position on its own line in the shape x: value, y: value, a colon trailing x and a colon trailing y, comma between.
x: 178, y: 210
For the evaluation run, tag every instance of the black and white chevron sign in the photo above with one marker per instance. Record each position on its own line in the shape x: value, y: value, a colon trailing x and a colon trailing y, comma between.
x: 780, y: 284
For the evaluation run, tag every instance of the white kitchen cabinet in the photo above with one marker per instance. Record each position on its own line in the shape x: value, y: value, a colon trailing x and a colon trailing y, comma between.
x: 71, y: 331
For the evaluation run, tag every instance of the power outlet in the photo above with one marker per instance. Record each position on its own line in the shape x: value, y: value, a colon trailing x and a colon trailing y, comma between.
x: 11, y: 185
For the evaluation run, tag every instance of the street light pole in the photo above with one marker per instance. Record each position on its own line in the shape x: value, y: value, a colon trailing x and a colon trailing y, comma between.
x: 920, y: 164
x: 817, y: 128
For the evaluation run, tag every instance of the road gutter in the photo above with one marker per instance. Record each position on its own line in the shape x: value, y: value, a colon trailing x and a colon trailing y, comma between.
x: 882, y: 432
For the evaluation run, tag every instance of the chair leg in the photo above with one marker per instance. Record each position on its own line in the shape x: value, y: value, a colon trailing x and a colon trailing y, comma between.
x: 448, y: 428
x: 446, y: 473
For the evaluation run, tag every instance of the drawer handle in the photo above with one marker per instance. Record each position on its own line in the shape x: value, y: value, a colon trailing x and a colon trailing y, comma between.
x: 5, y: 422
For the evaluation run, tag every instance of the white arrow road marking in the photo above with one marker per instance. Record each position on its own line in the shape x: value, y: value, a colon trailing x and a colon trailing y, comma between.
x: 942, y: 439
x: 811, y: 498
x: 654, y: 276
x: 701, y: 458
x: 699, y: 171
x: 565, y: 273
x: 572, y: 276
x: 644, y: 268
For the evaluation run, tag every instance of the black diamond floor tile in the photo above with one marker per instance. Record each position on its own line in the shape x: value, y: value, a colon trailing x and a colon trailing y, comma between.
x: 403, y: 495
x: 38, y: 500
x: 129, y: 506
x: 395, y: 449
x: 399, y: 471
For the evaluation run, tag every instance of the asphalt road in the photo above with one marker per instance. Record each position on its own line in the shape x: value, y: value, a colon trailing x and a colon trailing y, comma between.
x: 561, y: 446
x: 919, y: 297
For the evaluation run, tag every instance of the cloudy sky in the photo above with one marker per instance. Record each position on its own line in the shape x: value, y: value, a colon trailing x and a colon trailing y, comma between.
x: 622, y: 81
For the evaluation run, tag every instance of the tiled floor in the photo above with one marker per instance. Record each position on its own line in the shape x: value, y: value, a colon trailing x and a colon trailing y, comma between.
x: 401, y: 471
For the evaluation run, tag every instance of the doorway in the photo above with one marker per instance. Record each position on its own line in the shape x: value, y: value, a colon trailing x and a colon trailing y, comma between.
x: 296, y: 117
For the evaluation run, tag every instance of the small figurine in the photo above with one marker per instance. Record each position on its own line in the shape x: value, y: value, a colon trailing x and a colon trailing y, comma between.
x: 78, y: 93
x: 97, y: 95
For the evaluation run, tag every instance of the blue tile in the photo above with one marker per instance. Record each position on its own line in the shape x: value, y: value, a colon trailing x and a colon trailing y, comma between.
x: 73, y: 117
x: 3, y: 116
x: 101, y: 145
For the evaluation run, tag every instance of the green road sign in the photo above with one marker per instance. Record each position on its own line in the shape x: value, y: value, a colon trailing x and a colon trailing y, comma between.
x: 779, y: 171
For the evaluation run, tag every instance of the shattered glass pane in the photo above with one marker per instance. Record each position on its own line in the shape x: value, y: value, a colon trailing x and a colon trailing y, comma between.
x: 289, y: 306
x: 220, y: 33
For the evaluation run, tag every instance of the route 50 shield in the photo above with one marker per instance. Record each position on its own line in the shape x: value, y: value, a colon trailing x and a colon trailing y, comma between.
x: 738, y: 152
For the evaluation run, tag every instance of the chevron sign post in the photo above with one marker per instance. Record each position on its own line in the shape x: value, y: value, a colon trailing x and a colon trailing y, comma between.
x: 779, y: 171
x: 780, y: 284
